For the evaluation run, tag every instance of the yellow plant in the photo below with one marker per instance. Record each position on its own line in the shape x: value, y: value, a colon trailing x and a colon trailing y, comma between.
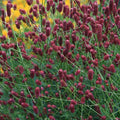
x: 4, y: 32
x: 1, y: 70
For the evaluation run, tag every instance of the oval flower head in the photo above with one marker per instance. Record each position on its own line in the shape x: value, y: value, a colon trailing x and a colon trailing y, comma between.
x: 90, y: 74
x: 37, y: 92
x: 35, y: 109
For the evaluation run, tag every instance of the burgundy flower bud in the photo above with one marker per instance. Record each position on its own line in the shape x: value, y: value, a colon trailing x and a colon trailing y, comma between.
x: 111, y: 5
x: 17, y: 24
x: 14, y: 93
x: 73, y: 102
x: 50, y: 50
x: 51, y: 61
x: 35, y: 109
x: 31, y: 10
x: 90, y: 96
x: 103, y: 87
x: 48, y: 5
x: 90, y: 118
x: 64, y: 25
x: 15, y: 7
x: 70, y: 25
x: 82, y: 100
x: 4, y: 55
x: 3, y: 12
x: 99, y: 32
x: 106, y: 44
x: 43, y: 36
x: 26, y: 57
x: 72, y: 108
x: 106, y: 57
x: 42, y: 73
x: 57, y: 94
x: 65, y: 52
x: 9, y: 6
x: 90, y: 74
x: 10, y: 34
x: 77, y: 57
x: 40, y: 51
x: 60, y: 6
x: 81, y: 79
x: 35, y: 7
x: 77, y: 72
x: 95, y: 62
x: 66, y: 10
x: 25, y: 105
x: 112, y: 68
x: 117, y: 2
x: 37, y: 1
x: 48, y: 29
x: 10, y: 101
x: 17, y: 118
x: 118, y: 56
x: 103, y: 117
x: 95, y: 8
x: 107, y: 11
x: 35, y: 13
x: 3, y: 38
x: 32, y: 73
x: 46, y: 92
x: 51, y: 117
x: 60, y: 41
x: 29, y: 2
x: 63, y: 83
x: 22, y: 11
x: 21, y: 69
x: 49, y: 66
x: 53, y: 8
x: 22, y: 93
x: 37, y: 92
x: 38, y: 82
x: 83, y: 58
x: 60, y: 72
x: 47, y: 24
x: 67, y: 44
x: 43, y: 21
x: 50, y: 2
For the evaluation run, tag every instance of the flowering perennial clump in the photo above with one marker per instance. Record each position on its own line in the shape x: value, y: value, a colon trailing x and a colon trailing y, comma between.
x: 59, y: 60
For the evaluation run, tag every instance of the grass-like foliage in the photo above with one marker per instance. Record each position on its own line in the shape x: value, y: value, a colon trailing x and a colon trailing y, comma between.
x: 60, y: 61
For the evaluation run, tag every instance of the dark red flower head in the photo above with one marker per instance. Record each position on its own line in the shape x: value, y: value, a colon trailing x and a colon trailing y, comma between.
x: 90, y: 74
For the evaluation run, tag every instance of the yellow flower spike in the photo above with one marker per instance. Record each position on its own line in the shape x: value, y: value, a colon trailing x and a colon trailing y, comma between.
x: 14, y: 14
x: 42, y: 2
x: 4, y: 32
x: 98, y: 2
x: 36, y: 19
x: 4, y: 2
x: 51, y: 20
x: 14, y: 28
x: 7, y: 19
x: 1, y: 24
x: 67, y: 2
x: 74, y: 24
x: 82, y: 2
x: 1, y: 70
